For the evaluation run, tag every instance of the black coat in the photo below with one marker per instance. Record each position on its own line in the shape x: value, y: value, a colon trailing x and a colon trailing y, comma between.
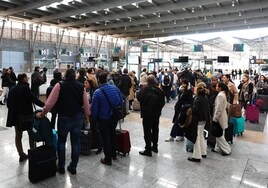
x: 200, y: 113
x: 152, y: 100
x: 19, y: 102
x: 183, y: 98
x: 125, y: 84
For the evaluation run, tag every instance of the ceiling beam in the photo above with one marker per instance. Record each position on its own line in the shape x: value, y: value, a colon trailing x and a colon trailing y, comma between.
x: 28, y: 6
x: 190, y: 20
x: 147, y: 10
x: 225, y: 26
x: 87, y: 9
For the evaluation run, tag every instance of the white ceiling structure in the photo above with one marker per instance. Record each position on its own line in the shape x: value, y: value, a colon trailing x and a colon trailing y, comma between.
x: 139, y: 19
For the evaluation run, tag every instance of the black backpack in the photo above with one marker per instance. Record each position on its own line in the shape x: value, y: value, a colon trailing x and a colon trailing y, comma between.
x: 166, y: 80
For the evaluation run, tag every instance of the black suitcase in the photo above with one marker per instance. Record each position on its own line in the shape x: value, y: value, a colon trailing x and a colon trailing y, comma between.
x: 85, y: 142
x: 42, y: 163
x: 229, y: 133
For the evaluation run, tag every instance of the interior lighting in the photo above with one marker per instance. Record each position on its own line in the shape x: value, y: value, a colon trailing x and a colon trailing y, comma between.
x: 205, y: 18
x: 125, y: 28
x: 79, y: 17
x: 73, y: 2
x: 129, y: 19
x: 193, y: 10
x: 159, y: 15
x: 105, y: 23
x: 141, y: 32
x: 214, y: 25
x: 187, y: 27
x: 106, y: 11
x: 233, y: 3
x: 240, y: 13
x: 24, y: 13
x: 148, y: 25
x: 245, y: 21
x: 175, y: 22
x: 58, y: 21
x: 163, y: 30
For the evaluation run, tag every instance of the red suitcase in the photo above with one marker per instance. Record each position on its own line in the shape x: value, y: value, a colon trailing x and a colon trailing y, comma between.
x: 122, y: 141
x: 252, y: 113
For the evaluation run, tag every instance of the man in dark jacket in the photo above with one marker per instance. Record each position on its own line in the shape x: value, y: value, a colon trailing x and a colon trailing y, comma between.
x: 125, y: 85
x: 102, y: 111
x: 20, y: 102
x: 152, y: 100
x: 36, y: 81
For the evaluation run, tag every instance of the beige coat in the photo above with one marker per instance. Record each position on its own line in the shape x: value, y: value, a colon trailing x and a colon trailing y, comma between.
x: 132, y: 89
x: 234, y: 91
x: 220, y: 112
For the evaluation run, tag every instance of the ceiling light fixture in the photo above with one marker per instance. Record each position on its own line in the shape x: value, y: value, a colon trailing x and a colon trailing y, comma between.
x: 175, y: 22
x: 73, y: 2
x: 106, y: 11
x: 58, y: 21
x: 125, y: 28
x: 187, y: 27
x: 240, y: 13
x: 105, y: 23
x: 159, y: 15
x: 193, y: 10
x: 169, y: 11
x: 233, y: 3
x: 148, y: 25
x: 163, y: 30
x: 24, y: 13
x: 137, y: 5
x: 245, y: 21
x: 205, y: 18
x: 130, y: 19
x: 79, y: 17
x: 150, y: 1
x: 214, y: 25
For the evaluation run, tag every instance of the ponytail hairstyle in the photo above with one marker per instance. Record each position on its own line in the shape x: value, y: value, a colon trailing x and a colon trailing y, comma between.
x: 224, y: 88
x: 229, y: 77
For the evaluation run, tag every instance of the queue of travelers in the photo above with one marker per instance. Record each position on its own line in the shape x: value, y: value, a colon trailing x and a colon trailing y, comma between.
x: 77, y: 100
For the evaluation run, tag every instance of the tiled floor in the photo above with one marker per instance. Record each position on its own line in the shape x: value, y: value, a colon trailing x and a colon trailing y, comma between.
x: 245, y: 167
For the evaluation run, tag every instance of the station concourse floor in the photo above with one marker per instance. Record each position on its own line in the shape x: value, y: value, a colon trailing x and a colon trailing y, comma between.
x: 247, y: 166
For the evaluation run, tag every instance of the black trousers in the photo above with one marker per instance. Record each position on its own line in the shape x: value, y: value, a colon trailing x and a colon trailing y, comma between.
x: 107, y: 130
x: 167, y: 91
x: 151, y: 131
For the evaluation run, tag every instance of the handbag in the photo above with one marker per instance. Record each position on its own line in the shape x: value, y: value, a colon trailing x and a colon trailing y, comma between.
x: 216, y: 129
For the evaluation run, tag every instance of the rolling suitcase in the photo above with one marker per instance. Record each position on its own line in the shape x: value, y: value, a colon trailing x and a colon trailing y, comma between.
x: 229, y: 133
x: 42, y: 163
x: 86, y: 142
x: 264, y: 107
x: 239, y: 125
x: 252, y: 113
x: 122, y: 141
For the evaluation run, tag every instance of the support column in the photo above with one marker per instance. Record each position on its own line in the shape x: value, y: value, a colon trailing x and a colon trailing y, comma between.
x: 140, y: 61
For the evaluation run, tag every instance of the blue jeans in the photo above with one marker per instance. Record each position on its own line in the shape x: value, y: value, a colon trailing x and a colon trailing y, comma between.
x: 73, y: 125
x: 107, y: 130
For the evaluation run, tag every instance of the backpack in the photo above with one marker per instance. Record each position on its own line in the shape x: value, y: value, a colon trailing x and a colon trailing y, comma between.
x: 166, y: 80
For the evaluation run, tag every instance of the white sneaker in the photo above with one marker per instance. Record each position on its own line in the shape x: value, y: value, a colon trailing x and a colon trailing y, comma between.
x: 170, y: 139
x: 180, y: 138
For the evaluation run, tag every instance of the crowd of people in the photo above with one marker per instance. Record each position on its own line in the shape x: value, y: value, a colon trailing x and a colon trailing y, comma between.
x: 79, y: 100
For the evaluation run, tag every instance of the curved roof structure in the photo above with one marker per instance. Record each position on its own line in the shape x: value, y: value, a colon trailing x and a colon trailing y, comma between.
x: 141, y: 18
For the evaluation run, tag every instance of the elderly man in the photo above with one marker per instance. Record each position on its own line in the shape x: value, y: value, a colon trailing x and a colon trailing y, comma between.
x: 152, y: 100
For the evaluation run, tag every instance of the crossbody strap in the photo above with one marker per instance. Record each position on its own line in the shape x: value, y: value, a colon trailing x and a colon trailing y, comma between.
x: 107, y: 98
